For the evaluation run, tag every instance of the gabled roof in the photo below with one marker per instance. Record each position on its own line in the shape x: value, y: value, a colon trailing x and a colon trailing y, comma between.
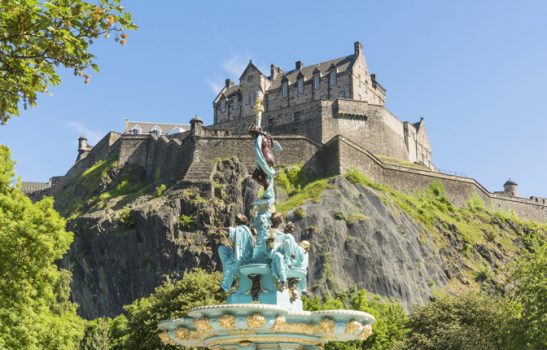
x: 342, y: 64
x: 29, y: 186
x: 249, y: 67
x: 146, y: 127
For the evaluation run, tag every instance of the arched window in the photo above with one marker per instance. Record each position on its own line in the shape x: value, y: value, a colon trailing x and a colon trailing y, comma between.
x: 285, y: 89
x: 316, y: 82
x: 300, y: 85
x: 333, y: 77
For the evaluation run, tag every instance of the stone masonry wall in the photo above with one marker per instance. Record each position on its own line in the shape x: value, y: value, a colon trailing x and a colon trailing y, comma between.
x: 458, y: 189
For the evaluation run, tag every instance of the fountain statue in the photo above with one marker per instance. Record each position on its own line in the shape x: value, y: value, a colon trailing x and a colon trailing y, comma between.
x: 265, y: 279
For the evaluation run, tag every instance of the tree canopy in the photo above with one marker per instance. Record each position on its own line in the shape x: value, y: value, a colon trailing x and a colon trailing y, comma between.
x: 37, y: 37
x: 35, y: 311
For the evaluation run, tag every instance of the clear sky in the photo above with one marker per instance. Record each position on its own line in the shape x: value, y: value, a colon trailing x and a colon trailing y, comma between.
x: 475, y: 70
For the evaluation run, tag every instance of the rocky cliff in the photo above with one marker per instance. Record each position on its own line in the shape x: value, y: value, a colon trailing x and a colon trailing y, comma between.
x: 131, y: 235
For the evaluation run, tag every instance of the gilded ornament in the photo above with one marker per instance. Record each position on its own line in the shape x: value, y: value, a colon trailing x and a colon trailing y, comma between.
x: 227, y: 321
x: 256, y: 321
x: 202, y: 325
x: 182, y: 333
x: 166, y: 339
x: 352, y: 327
x: 326, y: 325
x: 367, y: 332
x: 279, y: 324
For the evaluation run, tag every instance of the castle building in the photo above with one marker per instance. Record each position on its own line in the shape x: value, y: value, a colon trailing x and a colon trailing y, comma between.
x: 153, y: 128
x: 320, y: 101
x: 329, y: 116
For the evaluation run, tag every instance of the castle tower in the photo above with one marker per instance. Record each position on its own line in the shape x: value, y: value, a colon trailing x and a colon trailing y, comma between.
x: 510, y: 187
x: 83, y: 147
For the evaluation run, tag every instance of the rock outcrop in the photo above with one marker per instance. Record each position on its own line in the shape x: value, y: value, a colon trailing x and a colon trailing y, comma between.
x: 127, y: 244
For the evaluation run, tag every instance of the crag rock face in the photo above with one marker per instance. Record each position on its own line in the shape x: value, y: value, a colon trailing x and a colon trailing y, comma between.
x: 124, y: 251
x: 127, y: 245
x: 358, y: 240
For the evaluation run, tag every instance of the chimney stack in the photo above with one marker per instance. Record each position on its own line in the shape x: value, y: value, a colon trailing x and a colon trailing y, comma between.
x: 357, y: 48
x: 298, y: 65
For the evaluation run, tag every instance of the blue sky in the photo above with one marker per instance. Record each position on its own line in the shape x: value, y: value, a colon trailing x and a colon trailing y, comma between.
x: 475, y: 70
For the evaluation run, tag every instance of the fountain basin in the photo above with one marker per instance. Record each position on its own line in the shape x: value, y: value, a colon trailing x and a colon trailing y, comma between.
x: 264, y: 326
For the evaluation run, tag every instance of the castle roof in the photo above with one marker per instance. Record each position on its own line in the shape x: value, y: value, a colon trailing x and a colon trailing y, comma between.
x: 147, y: 127
x: 510, y: 183
x: 29, y: 186
x: 342, y: 64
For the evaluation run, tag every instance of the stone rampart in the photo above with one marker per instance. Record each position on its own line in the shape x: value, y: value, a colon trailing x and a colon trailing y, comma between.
x: 458, y: 189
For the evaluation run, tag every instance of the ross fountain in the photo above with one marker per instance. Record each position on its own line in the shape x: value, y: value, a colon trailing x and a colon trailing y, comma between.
x: 265, y: 274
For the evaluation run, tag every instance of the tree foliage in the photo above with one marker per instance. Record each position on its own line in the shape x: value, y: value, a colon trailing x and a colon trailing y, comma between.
x: 529, y: 292
x: 389, y: 330
x: 139, y: 329
x: 35, y: 312
x: 36, y: 37
x: 469, y: 321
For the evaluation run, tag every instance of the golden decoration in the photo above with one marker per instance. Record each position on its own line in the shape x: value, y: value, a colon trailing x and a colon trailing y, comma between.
x: 326, y: 325
x: 256, y: 321
x: 352, y: 327
x: 166, y: 339
x: 367, y: 332
x: 182, y: 333
x: 279, y: 324
x: 202, y: 325
x: 261, y: 338
x: 227, y: 321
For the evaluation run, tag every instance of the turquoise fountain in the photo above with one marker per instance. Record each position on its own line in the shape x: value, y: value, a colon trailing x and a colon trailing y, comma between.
x: 265, y: 274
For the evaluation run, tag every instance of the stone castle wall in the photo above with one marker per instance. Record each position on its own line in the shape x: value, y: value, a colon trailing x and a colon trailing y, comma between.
x: 458, y: 189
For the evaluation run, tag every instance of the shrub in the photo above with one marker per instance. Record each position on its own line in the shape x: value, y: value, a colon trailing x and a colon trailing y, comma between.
x: 186, y: 221
x: 126, y: 217
x: 299, y: 213
x: 160, y: 190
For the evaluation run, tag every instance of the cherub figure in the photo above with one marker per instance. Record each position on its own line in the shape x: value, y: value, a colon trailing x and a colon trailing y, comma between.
x: 239, y: 252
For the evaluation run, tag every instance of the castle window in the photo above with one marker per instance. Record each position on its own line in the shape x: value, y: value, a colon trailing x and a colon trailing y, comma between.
x: 332, y: 77
x: 316, y: 82
x: 136, y: 130
x: 342, y: 94
x: 296, y: 116
x: 156, y: 131
x: 235, y: 104
x: 285, y: 89
x: 300, y: 85
x: 223, y: 106
x: 251, y: 98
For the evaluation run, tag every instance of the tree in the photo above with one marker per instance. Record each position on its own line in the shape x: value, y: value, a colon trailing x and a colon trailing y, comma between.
x: 170, y: 300
x: 36, y: 37
x: 529, y: 291
x: 35, y: 311
x: 97, y: 335
x: 388, y: 331
x: 468, y: 321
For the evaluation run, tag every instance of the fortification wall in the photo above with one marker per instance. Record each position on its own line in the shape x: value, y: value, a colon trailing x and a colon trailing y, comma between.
x: 165, y: 160
x: 107, y: 146
x: 458, y: 189
x: 296, y: 149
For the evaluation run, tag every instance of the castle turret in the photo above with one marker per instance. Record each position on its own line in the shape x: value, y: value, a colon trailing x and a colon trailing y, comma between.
x: 510, y: 188
x: 195, y: 125
x: 83, y: 147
